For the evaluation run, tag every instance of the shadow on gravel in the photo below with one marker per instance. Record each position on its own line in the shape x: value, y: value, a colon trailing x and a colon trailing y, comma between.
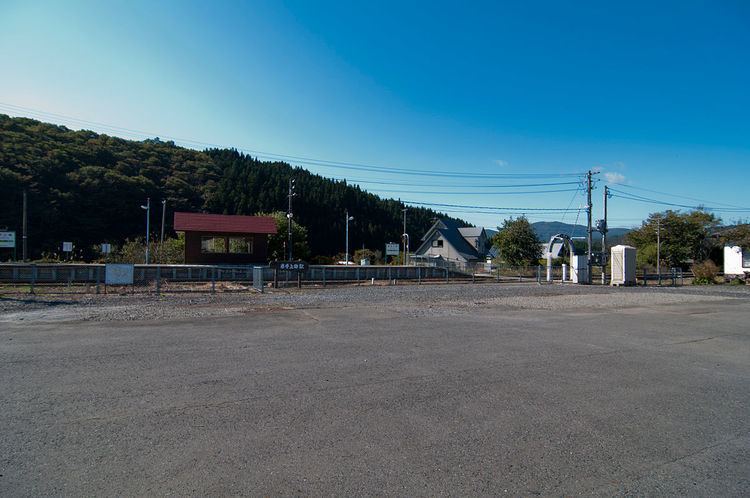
x: 34, y: 301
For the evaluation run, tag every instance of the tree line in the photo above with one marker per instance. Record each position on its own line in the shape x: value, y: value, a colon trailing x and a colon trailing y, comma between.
x: 87, y: 188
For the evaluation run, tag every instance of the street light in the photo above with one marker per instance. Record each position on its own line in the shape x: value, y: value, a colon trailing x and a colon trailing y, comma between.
x: 147, y: 207
x: 161, y: 239
x: 348, y: 219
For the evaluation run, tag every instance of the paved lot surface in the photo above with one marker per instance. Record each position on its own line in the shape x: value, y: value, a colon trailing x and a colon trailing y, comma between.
x: 520, y: 391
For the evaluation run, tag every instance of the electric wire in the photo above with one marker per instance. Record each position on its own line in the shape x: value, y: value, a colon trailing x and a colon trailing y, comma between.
x: 324, y: 163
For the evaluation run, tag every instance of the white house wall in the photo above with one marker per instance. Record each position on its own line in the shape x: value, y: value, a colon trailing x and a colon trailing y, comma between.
x: 447, y: 251
x: 733, y: 261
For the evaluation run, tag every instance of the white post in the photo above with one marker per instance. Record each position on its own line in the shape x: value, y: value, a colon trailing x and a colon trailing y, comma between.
x: 565, y: 273
x: 549, y: 267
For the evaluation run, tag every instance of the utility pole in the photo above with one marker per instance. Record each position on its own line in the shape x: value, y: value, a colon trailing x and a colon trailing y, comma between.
x: 589, y: 241
x: 348, y: 219
x: 604, y: 230
x: 405, y: 238
x: 147, y: 207
x: 25, y: 238
x: 289, y: 219
x: 161, y: 239
x: 163, y: 212
x: 658, y: 249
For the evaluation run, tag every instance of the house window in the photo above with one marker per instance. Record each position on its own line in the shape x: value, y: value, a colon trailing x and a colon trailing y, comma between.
x: 437, y: 243
x: 746, y: 258
x: 241, y: 245
x: 213, y: 245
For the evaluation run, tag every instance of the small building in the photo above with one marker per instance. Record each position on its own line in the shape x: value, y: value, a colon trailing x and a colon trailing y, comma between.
x: 224, y: 239
x: 736, y: 261
x: 447, y: 240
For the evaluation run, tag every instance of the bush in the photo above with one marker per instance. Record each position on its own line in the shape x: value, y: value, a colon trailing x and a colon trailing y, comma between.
x: 705, y: 273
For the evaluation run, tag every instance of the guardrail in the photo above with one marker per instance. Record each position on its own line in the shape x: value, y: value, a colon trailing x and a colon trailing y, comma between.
x: 177, y: 278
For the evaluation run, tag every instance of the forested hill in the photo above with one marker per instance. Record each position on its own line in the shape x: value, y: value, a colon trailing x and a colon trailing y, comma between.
x: 87, y: 188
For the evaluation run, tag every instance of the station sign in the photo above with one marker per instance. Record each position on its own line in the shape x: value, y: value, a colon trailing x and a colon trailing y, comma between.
x: 8, y: 240
x: 290, y: 265
x: 67, y: 247
x: 106, y: 248
x: 392, y: 249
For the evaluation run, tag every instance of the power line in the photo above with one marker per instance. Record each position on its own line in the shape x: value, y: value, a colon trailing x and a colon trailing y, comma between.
x: 493, y: 208
x: 453, y: 185
x: 472, y: 193
x: 639, y: 198
x: 679, y: 196
x: 305, y: 160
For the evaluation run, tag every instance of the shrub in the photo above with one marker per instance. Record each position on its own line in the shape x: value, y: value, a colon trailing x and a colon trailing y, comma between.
x: 705, y: 272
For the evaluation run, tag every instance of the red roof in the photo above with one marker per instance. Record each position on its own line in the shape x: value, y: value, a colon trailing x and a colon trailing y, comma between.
x: 223, y: 223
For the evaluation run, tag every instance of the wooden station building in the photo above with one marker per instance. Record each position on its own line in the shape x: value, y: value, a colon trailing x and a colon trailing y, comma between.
x: 212, y: 239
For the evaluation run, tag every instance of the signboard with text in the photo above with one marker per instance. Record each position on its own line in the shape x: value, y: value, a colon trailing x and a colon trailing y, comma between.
x: 67, y: 247
x: 392, y: 249
x: 118, y: 274
x: 289, y: 265
x: 8, y: 240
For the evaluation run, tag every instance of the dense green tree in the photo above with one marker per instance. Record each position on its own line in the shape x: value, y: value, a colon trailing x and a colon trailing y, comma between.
x: 684, y: 237
x: 86, y: 188
x: 518, y: 242
x: 277, y: 244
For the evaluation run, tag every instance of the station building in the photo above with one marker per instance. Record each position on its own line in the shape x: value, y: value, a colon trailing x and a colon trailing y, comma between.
x: 214, y: 239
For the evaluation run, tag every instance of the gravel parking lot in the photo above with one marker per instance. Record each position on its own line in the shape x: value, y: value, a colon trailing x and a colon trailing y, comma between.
x: 403, y: 390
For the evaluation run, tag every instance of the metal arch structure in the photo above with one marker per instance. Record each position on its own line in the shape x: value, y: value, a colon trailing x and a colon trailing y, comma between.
x: 565, y: 239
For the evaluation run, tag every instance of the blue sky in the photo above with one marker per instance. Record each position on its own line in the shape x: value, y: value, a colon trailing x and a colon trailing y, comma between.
x: 652, y: 94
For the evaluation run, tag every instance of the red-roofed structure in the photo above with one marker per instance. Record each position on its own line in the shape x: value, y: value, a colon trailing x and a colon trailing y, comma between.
x: 224, y: 239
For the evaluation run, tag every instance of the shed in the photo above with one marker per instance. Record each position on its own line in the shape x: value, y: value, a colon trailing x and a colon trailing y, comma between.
x: 224, y: 239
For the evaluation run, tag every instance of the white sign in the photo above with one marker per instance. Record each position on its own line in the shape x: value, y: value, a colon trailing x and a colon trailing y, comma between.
x: 67, y: 247
x: 106, y: 248
x: 8, y: 239
x: 118, y: 274
x: 392, y: 249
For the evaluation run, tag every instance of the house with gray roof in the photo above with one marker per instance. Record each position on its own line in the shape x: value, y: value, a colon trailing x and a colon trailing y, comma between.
x: 447, y: 240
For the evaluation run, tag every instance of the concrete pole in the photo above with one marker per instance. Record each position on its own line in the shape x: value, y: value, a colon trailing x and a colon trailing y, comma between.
x: 348, y: 219
x: 658, y: 249
x: 405, y: 239
x: 148, y: 226
x: 24, y: 247
x: 605, y: 229
x: 589, y: 241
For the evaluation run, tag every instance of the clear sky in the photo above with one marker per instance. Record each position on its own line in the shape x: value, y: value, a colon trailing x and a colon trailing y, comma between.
x: 655, y: 95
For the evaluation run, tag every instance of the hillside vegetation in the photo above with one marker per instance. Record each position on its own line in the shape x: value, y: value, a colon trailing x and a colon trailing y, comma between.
x: 87, y: 188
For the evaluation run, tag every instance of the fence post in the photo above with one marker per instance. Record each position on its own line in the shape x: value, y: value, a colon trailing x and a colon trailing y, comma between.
x: 33, y: 279
x: 98, y: 278
x: 213, y: 280
x: 539, y: 274
x: 324, y: 276
x: 299, y: 279
x: 419, y: 275
x: 158, y: 280
x: 446, y: 275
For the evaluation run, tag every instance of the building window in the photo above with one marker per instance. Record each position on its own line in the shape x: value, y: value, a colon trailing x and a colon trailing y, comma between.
x: 213, y: 245
x: 241, y: 245
x: 437, y: 243
x: 746, y: 258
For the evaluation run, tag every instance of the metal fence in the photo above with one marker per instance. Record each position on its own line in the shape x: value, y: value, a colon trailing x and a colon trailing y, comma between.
x: 90, y: 278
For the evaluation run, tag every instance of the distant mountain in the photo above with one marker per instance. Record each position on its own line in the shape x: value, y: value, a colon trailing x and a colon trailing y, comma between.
x: 546, y: 229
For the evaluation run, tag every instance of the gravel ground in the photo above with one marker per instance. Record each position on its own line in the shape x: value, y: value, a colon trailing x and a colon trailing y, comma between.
x: 413, y: 300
